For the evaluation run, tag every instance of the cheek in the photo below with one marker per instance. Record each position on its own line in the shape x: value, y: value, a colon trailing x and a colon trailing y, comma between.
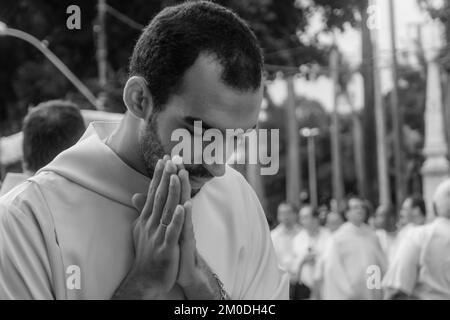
x: 165, y: 134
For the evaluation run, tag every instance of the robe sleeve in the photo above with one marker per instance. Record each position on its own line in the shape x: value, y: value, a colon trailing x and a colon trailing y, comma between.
x: 264, y: 280
x: 29, y: 252
x: 24, y: 266
x: 338, y: 283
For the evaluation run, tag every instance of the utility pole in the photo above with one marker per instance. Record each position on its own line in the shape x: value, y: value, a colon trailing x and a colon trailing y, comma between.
x: 383, y: 176
x: 397, y: 118
x: 102, y: 52
x: 358, y: 144
x: 293, y: 179
x: 338, y: 186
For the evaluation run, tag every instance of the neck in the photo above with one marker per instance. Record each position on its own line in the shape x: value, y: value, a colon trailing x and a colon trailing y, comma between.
x: 313, y: 231
x: 356, y: 224
x: 124, y: 141
x: 289, y: 227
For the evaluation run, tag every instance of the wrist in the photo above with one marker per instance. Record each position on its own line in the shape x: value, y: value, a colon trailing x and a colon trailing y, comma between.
x: 197, y: 281
x: 137, y: 285
x: 202, y: 287
x: 206, y: 286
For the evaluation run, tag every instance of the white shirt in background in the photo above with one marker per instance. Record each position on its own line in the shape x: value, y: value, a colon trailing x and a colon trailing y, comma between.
x: 401, y: 234
x: 305, y: 243
x: 353, y: 253
x: 387, y: 241
x: 421, y: 267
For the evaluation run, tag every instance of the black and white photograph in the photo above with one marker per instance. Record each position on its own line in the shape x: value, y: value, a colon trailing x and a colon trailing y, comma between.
x: 243, y: 150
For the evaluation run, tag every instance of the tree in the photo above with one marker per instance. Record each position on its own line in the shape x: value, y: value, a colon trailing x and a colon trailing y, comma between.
x: 27, y: 78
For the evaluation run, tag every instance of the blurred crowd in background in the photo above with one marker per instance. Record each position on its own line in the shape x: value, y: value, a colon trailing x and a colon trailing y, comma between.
x: 359, y: 253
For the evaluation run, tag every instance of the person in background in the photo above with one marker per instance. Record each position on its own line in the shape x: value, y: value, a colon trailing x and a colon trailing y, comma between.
x: 383, y: 224
x: 412, y: 214
x: 333, y: 221
x: 48, y: 129
x: 354, y: 250
x: 421, y: 269
x: 282, y: 237
x: 309, y: 245
x: 323, y: 213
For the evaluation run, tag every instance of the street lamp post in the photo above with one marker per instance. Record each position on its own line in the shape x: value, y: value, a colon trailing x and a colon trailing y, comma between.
x: 6, y: 31
x: 310, y: 134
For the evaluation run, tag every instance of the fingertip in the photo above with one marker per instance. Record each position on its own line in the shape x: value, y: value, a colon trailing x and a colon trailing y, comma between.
x: 159, y: 165
x: 188, y: 204
x: 179, y: 215
x: 183, y: 174
x: 137, y: 200
x: 134, y: 198
x: 170, y: 166
x: 174, y: 179
x: 177, y: 160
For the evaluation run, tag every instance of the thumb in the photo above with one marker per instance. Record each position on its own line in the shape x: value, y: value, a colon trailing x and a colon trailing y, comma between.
x: 138, y: 201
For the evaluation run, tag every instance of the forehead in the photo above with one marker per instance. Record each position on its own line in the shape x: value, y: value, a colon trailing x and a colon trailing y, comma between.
x: 206, y: 97
x: 306, y: 211
x: 381, y: 213
x: 407, y: 204
x: 355, y: 203
x: 284, y: 208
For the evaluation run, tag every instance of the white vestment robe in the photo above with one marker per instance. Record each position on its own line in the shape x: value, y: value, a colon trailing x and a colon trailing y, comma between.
x: 421, y: 267
x: 283, y: 242
x: 353, y: 265
x: 66, y: 233
x: 305, y: 243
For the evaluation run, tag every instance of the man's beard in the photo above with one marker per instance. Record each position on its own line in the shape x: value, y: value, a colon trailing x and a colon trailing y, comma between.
x: 152, y: 150
x: 150, y: 145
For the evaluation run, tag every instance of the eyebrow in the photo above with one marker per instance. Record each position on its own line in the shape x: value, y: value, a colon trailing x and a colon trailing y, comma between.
x: 191, y: 120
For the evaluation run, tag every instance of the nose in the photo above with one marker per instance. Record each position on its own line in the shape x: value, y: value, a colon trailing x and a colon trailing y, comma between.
x: 217, y: 170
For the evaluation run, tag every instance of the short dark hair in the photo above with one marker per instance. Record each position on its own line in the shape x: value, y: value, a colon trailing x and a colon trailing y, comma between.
x: 314, y: 211
x: 418, y: 202
x: 175, y: 38
x: 290, y: 205
x: 48, y: 129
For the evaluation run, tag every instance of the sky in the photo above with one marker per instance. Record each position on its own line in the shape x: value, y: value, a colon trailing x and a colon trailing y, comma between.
x: 407, y: 14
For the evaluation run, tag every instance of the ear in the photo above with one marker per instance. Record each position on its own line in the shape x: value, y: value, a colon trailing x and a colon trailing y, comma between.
x: 137, y: 97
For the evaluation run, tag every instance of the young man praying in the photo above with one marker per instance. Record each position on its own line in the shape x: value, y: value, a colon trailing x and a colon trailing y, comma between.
x: 112, y: 217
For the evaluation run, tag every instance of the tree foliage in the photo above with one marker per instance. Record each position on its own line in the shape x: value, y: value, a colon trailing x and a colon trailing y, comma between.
x: 27, y: 78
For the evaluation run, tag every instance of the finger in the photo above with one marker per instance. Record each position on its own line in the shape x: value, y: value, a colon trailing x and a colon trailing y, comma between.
x: 173, y: 199
x: 161, y: 194
x: 148, y: 206
x: 185, y: 185
x: 176, y: 225
x: 178, y: 161
x: 187, y: 235
x: 166, y: 158
x: 138, y: 201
